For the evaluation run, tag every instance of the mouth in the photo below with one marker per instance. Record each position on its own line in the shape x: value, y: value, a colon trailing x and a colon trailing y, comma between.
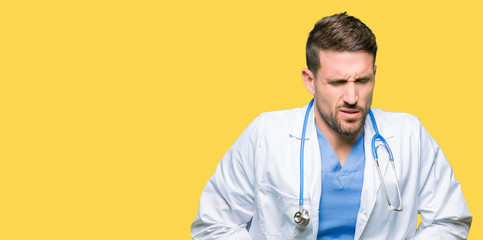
x: 350, y: 113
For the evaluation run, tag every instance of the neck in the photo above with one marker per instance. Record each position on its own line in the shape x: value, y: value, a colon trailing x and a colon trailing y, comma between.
x: 341, y: 144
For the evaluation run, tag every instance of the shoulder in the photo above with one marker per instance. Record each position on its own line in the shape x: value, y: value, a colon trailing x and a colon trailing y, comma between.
x: 400, y: 119
x: 281, y: 123
x: 397, y: 123
x: 282, y: 115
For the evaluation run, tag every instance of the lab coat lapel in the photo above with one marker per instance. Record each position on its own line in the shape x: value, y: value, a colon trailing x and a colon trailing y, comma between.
x: 312, y: 163
x: 372, y: 182
x: 313, y: 170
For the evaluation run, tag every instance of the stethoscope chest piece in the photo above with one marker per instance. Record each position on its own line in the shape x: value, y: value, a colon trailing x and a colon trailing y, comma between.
x: 302, y: 218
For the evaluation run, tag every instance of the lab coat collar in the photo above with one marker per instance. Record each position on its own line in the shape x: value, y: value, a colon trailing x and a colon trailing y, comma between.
x: 296, y: 129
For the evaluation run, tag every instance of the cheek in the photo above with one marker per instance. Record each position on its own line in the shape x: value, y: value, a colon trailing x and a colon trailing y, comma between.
x: 326, y: 97
x: 367, y: 95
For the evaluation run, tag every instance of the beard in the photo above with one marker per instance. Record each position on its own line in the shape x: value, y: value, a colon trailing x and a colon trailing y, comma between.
x: 355, y: 124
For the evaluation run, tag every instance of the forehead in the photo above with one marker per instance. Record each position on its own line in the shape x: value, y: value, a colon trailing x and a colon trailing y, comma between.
x: 335, y: 64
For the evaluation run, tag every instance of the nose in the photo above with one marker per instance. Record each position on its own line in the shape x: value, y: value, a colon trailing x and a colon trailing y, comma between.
x: 351, y: 93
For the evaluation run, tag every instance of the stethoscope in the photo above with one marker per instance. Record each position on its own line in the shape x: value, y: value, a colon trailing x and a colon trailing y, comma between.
x: 302, y: 216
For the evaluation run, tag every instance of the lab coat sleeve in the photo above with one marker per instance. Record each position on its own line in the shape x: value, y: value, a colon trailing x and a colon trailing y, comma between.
x: 442, y: 206
x: 227, y: 201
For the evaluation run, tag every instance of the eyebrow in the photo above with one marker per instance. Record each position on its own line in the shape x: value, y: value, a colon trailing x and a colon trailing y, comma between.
x: 359, y: 78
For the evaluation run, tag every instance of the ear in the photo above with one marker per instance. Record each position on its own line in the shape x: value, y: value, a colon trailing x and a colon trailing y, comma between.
x: 375, y: 68
x: 309, y: 80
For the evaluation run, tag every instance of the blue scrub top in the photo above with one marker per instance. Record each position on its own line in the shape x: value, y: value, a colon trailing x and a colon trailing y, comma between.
x: 341, y: 190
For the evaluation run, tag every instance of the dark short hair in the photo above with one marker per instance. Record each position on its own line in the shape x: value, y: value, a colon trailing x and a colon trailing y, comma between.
x: 339, y: 32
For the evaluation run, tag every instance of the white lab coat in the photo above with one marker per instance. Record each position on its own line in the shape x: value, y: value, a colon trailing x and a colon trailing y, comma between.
x: 257, y: 182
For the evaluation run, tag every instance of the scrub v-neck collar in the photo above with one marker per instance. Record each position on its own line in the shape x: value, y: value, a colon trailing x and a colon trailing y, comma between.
x: 331, y: 163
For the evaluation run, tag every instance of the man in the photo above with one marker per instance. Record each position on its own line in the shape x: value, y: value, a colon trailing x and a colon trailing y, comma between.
x: 348, y: 191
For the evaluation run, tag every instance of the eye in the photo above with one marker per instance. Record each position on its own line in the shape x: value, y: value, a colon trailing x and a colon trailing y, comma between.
x: 337, y: 82
x: 363, y: 80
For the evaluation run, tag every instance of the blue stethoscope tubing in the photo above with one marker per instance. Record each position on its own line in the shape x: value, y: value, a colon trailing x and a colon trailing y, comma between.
x: 302, y: 148
x: 391, y: 159
x: 376, y: 136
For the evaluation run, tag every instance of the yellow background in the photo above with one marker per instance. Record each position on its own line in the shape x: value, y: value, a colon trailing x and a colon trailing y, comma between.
x: 114, y: 114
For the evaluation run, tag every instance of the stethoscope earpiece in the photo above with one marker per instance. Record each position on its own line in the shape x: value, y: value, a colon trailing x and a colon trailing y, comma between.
x: 302, y: 218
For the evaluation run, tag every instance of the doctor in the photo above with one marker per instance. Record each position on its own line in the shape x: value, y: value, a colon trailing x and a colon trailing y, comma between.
x: 336, y: 188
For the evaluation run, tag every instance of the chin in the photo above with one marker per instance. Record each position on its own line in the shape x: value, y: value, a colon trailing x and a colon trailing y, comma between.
x: 352, y: 129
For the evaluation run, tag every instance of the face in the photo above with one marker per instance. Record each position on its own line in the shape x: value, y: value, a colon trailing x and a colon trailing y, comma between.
x: 342, y: 88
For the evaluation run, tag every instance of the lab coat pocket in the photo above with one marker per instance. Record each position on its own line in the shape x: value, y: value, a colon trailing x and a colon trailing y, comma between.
x: 276, y: 211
